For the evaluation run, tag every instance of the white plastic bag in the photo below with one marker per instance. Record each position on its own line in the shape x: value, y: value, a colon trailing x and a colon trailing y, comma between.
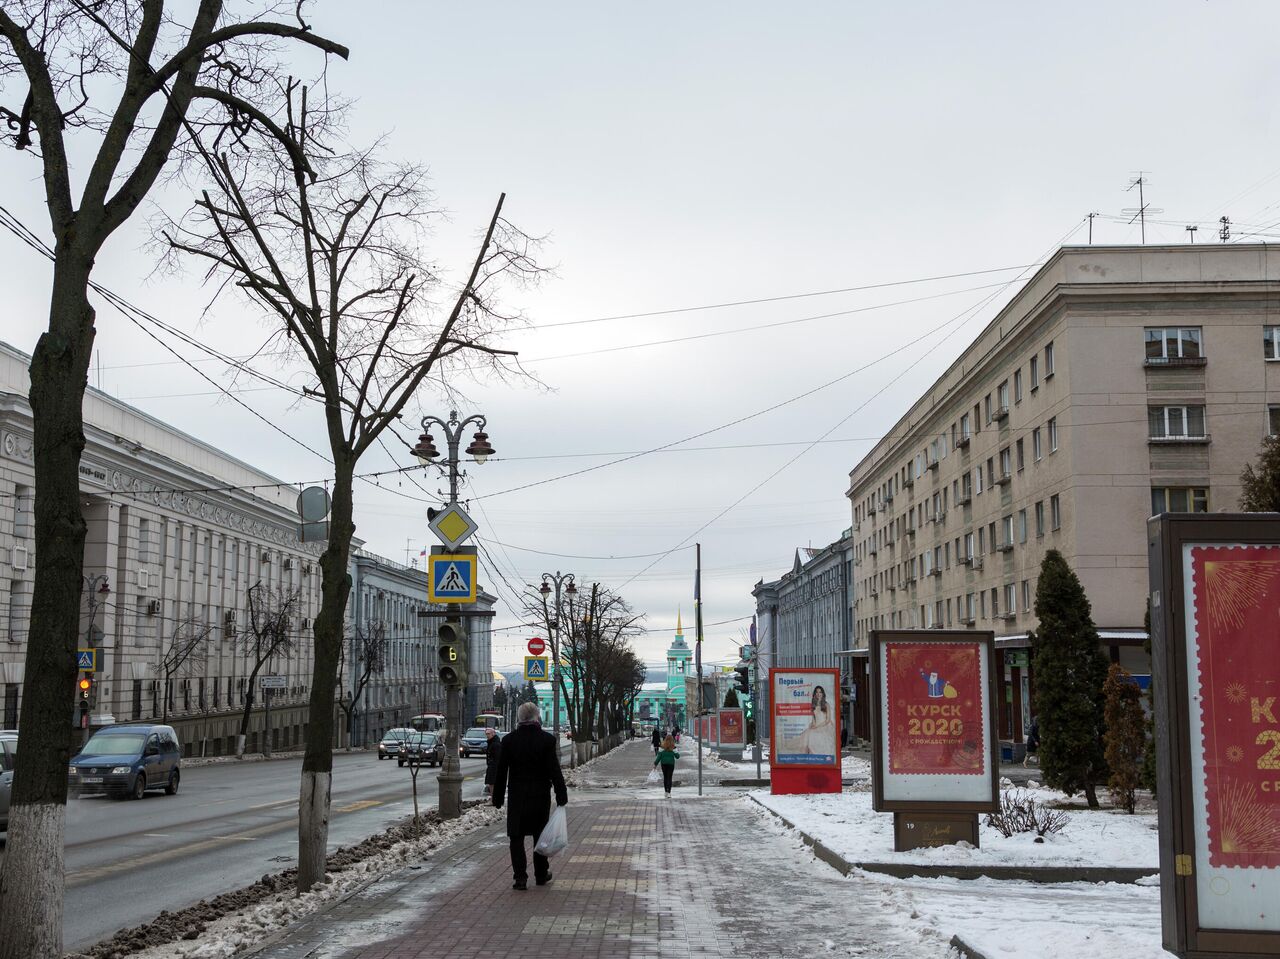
x: 555, y: 834
x: 654, y: 775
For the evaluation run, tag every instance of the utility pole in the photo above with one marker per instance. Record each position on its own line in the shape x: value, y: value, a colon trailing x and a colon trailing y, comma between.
x: 552, y: 582
x: 755, y: 697
x: 697, y: 646
x: 1191, y: 232
x: 1090, y: 219
x: 1224, y: 234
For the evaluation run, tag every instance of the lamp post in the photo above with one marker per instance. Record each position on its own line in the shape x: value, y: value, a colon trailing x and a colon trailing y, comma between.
x: 552, y: 582
x: 479, y: 449
x: 97, y: 587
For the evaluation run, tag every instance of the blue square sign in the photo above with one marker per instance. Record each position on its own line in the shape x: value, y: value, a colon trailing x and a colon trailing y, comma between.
x: 451, y: 578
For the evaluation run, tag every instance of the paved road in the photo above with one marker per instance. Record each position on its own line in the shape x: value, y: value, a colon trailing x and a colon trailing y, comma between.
x: 229, y: 824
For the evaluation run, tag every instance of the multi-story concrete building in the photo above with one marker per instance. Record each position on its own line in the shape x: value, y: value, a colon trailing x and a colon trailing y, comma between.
x: 1120, y: 382
x: 389, y: 600
x: 805, y: 618
x: 178, y: 534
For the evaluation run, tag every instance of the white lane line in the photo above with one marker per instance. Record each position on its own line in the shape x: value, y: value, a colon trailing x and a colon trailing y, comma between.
x: 158, y: 835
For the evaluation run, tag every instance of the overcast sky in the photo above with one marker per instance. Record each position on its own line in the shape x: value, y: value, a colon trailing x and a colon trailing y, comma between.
x: 682, y: 155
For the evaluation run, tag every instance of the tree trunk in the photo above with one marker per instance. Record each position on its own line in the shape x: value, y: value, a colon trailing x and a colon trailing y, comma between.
x: 317, y: 764
x: 32, y: 878
x: 1091, y: 795
x: 247, y: 714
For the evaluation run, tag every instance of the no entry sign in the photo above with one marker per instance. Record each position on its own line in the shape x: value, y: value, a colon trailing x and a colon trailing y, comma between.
x: 537, y: 646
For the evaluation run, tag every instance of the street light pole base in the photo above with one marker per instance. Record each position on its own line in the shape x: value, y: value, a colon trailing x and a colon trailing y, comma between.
x: 450, y: 795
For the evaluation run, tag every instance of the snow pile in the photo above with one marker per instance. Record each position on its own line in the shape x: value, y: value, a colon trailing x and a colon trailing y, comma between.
x: 846, y: 824
x: 247, y: 926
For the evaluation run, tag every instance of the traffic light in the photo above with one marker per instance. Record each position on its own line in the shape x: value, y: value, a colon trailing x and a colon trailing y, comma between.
x: 86, y: 685
x: 453, y: 653
x: 743, y: 681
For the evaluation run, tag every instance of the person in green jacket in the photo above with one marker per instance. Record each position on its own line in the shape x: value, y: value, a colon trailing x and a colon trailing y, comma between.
x: 667, y: 756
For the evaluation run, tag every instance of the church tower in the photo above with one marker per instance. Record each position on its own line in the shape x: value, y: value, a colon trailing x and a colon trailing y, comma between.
x: 679, y: 658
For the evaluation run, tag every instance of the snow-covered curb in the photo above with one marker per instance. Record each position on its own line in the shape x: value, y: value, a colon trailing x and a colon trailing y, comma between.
x: 240, y: 930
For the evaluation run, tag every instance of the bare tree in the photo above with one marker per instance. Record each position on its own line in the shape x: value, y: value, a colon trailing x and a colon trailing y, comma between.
x: 126, y: 84
x: 269, y: 633
x: 370, y: 642
x: 187, y: 645
x: 338, y: 264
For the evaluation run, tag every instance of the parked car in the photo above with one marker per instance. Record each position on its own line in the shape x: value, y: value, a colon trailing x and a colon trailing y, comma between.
x: 475, y: 741
x: 128, y: 760
x: 420, y: 748
x: 389, y: 748
x: 8, y: 756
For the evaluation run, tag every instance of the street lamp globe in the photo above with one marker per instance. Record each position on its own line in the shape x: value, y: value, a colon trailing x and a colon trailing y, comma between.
x: 545, y: 588
x: 480, y: 450
x: 571, y: 590
x: 104, y: 589
x: 426, y: 450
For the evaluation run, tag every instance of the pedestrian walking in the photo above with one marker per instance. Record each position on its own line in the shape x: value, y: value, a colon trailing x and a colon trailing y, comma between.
x: 1033, y: 742
x: 528, y: 770
x: 656, y: 739
x: 666, y: 758
x: 675, y: 733
x: 492, y: 748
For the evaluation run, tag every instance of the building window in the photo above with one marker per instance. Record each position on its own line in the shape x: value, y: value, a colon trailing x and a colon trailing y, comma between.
x: 1007, y: 526
x: 1176, y: 422
x: 1048, y: 360
x: 991, y: 471
x: 1271, y: 342
x: 995, y: 602
x: 986, y: 408
x: 982, y: 540
x: 1022, y: 526
x: 1055, y: 512
x: 968, y: 545
x: 1053, y: 434
x: 1026, y: 595
x: 1035, y: 373
x: 1017, y: 386
x: 991, y: 535
x: 1179, y: 499
x: 1273, y: 420
x: 964, y: 426
x: 1036, y: 451
x: 1170, y: 344
x: 1022, y: 459
x: 1040, y: 518
x: 977, y: 481
x: 1010, y: 598
x: 968, y: 607
x: 1002, y: 396
x: 1006, y: 461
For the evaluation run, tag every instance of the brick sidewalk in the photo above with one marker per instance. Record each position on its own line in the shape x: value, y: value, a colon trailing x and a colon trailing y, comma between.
x: 644, y: 876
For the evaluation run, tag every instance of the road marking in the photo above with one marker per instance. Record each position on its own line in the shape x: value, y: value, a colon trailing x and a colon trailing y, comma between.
x: 272, y: 805
x: 158, y: 835
x: 237, y: 838
x: 358, y: 805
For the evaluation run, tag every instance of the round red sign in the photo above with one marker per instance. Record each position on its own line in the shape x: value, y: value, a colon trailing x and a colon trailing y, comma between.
x: 537, y: 646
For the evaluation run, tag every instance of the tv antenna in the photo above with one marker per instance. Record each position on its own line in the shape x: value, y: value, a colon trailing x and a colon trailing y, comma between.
x: 1224, y: 234
x: 1191, y: 232
x: 1140, y: 181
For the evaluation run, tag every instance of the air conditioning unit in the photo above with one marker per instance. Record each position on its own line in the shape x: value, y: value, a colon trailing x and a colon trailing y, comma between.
x: 266, y: 557
x: 229, y: 617
x: 306, y: 569
x: 909, y: 481
x: 306, y: 624
x: 288, y: 562
x: 936, y: 571
x: 940, y: 516
x: 20, y: 558
x: 962, y: 442
x: 186, y: 685
x: 153, y: 607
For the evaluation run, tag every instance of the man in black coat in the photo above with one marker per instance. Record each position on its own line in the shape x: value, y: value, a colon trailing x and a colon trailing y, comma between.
x: 528, y: 769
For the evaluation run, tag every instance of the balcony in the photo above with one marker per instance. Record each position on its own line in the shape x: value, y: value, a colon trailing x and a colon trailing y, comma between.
x: 909, y: 482
x: 888, y: 497
x: 1007, y: 617
x: 933, y: 465
x: 964, y: 560
x: 911, y: 532
x: 967, y: 620
x: 871, y: 508
x: 936, y: 571
x: 1173, y: 362
x: 1004, y: 479
x: 1001, y: 414
x: 964, y: 499
x: 1179, y: 440
x: 976, y: 562
x: 871, y: 551
x: 962, y: 442
x: 1005, y: 547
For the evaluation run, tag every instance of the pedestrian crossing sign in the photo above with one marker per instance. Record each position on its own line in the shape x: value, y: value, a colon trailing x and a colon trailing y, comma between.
x: 451, y: 578
x: 86, y: 659
x: 535, y: 669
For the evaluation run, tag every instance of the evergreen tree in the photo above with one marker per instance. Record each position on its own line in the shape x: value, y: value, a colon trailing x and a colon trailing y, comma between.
x: 731, y: 698
x: 1260, y: 488
x: 1070, y: 671
x: 1125, y: 737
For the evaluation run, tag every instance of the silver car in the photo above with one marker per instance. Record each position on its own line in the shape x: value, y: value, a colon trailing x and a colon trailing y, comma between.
x: 8, y: 756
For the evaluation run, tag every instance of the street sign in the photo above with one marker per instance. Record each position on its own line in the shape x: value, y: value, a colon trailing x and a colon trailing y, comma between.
x: 535, y: 668
x: 537, y: 646
x: 271, y: 682
x: 86, y: 659
x: 451, y: 577
x: 452, y: 525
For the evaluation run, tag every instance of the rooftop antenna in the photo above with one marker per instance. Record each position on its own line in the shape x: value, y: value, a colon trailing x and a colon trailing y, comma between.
x: 1140, y: 181
x: 1224, y: 234
x: 1191, y: 232
x: 1090, y: 217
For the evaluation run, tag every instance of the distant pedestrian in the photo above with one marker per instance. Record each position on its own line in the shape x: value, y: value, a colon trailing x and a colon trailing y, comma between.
x: 656, y: 739
x: 1033, y: 742
x: 492, y: 749
x: 666, y: 758
x: 675, y: 733
x: 528, y: 769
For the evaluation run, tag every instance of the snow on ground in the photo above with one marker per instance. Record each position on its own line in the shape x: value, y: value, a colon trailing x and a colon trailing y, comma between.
x: 233, y: 933
x: 846, y: 824
x: 1005, y: 919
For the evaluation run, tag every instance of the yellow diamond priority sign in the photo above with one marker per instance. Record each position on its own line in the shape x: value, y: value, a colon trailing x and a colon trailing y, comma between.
x: 452, y: 525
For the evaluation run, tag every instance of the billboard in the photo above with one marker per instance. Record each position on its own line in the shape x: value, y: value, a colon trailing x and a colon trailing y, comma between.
x: 1215, y: 603
x: 732, y: 727
x: 933, y: 721
x: 804, y: 717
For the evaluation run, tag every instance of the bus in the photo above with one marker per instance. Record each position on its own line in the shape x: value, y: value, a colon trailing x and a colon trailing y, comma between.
x: 492, y: 718
x: 428, y: 723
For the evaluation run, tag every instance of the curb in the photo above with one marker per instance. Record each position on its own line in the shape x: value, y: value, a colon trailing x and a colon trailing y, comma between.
x: 1042, y: 874
x: 966, y: 950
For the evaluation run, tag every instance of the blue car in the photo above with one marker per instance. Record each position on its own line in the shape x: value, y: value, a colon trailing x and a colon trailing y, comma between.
x: 127, y: 761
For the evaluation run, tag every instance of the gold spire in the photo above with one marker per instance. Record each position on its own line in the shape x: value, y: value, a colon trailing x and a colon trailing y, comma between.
x: 679, y: 624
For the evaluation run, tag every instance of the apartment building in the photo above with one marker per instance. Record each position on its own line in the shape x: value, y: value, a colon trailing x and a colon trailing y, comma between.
x: 1120, y: 382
